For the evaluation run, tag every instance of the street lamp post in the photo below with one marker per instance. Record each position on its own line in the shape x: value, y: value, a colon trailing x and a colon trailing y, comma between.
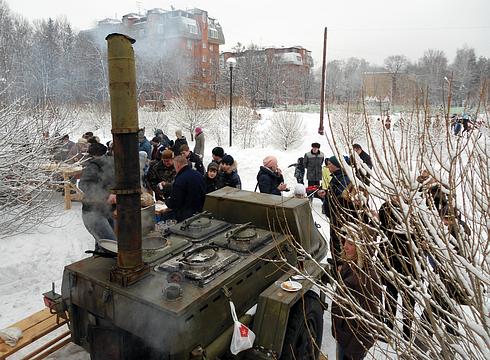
x: 231, y: 63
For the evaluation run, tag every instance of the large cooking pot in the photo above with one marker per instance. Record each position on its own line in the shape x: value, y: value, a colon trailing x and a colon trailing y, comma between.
x: 151, y: 241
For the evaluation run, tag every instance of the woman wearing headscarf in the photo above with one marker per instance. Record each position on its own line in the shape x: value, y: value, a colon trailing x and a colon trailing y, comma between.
x: 356, y: 303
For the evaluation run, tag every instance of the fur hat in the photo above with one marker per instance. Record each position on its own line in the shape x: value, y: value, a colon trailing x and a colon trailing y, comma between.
x: 218, y: 151
x: 198, y: 130
x: 228, y: 160
x: 213, y: 166
x: 97, y: 149
x: 315, y: 145
x: 167, y: 154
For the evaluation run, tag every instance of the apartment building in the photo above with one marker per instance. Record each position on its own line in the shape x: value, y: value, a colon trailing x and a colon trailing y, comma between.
x: 285, y: 73
x: 187, y: 40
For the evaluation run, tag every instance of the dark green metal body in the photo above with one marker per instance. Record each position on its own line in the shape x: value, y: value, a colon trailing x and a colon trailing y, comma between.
x: 137, y: 321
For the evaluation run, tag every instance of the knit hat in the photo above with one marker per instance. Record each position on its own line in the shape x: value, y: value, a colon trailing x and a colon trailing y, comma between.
x: 269, y: 161
x: 97, y: 149
x: 198, y: 130
x: 218, y: 151
x: 167, y: 154
x: 213, y: 166
x: 334, y: 161
x: 315, y: 145
x: 228, y: 160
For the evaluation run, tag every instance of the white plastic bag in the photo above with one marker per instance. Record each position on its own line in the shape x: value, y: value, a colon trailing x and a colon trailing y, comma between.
x: 243, y: 338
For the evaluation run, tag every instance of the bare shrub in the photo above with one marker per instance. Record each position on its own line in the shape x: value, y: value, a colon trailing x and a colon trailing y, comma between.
x: 286, y: 129
x: 26, y: 198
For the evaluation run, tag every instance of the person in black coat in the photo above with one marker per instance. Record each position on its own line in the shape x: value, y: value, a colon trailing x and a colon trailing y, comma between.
x: 188, y: 192
x: 179, y: 141
x: 362, y: 174
x: 398, y: 255
x: 334, y: 205
x: 194, y: 160
x: 211, y: 178
x: 269, y: 178
x: 228, y: 176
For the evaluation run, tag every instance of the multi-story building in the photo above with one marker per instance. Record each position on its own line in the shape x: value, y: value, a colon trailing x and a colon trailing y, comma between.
x: 387, y: 87
x: 180, y: 50
x: 275, y: 75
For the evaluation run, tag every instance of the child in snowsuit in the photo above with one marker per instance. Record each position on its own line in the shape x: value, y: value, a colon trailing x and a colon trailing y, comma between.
x: 299, y: 170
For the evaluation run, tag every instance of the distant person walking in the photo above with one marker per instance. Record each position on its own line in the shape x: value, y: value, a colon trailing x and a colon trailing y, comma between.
x: 313, y: 161
x: 200, y: 140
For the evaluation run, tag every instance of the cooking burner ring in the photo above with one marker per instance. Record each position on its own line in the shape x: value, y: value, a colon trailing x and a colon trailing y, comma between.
x: 245, y: 235
x: 203, y: 257
x: 201, y: 223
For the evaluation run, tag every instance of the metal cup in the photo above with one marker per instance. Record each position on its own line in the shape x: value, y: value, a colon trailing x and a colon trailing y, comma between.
x: 301, y: 263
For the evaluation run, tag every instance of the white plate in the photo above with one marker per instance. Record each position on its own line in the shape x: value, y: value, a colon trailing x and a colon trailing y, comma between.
x: 291, y: 286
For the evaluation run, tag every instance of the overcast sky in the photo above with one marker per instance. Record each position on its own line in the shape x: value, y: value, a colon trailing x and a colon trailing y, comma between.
x: 362, y: 28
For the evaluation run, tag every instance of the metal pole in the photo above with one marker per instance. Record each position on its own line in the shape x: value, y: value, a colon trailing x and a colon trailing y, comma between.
x: 324, y: 75
x: 124, y: 113
x: 231, y: 101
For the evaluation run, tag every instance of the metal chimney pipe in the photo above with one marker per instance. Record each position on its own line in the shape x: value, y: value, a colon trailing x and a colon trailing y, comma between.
x: 124, y: 114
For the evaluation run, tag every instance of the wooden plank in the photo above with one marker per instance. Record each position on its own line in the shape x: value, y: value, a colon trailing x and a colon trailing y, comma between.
x: 40, y: 352
x: 52, y: 349
x: 33, y: 328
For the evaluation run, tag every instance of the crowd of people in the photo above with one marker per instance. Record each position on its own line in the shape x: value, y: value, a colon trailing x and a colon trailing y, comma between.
x: 174, y: 174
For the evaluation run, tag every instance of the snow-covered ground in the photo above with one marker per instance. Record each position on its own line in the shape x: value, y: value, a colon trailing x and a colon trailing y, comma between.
x: 32, y: 261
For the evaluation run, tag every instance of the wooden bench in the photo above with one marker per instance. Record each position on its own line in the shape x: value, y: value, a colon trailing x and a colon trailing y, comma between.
x: 69, y: 187
x: 33, y: 328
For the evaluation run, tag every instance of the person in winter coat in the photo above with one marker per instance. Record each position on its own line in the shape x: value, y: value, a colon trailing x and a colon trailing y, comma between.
x: 334, y: 205
x: 199, y: 146
x: 194, y: 159
x: 165, y: 142
x: 299, y: 170
x: 179, y: 141
x: 162, y: 175
x: 313, y: 161
x: 269, y: 178
x: 228, y: 176
x: 78, y: 152
x: 156, y: 150
x: 66, y: 146
x: 144, y: 144
x: 188, y: 192
x: 326, y: 176
x: 211, y: 178
x: 399, y: 255
x: 217, y: 154
x: 362, y: 174
x: 358, y: 287
x: 96, y: 182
